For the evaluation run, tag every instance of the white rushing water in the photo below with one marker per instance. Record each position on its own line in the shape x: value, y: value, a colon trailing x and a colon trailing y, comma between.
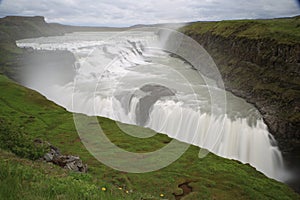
x: 118, y: 77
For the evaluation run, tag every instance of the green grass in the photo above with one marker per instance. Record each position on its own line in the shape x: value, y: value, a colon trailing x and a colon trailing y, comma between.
x: 14, y: 139
x: 211, y: 177
x: 285, y: 30
x: 23, y: 179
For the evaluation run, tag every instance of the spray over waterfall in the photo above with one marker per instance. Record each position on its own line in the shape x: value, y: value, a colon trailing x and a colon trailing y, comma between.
x: 124, y: 80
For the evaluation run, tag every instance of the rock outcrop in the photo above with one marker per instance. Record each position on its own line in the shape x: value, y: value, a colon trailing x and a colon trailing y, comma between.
x: 263, y: 70
x: 70, y: 162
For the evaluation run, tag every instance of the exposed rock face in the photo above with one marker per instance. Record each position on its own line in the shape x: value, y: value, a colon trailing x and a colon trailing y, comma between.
x: 152, y: 93
x: 69, y: 162
x: 264, y: 72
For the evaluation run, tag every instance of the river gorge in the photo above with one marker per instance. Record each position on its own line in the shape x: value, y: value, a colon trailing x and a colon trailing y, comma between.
x: 120, y: 75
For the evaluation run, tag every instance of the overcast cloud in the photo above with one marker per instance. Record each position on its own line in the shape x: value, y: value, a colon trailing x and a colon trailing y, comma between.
x: 130, y: 12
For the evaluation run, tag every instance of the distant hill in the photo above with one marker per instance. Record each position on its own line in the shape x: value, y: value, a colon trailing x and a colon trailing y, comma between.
x: 16, y: 27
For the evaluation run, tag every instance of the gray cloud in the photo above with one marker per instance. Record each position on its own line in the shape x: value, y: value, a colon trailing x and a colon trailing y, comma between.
x: 130, y: 12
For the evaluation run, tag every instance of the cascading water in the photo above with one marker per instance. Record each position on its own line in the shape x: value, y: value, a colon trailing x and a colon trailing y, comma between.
x: 122, y: 79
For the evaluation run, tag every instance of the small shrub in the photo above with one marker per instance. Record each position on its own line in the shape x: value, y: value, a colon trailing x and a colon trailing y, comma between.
x: 12, y: 138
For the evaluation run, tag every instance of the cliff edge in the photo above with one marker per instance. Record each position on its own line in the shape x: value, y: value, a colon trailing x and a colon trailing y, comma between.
x: 259, y: 60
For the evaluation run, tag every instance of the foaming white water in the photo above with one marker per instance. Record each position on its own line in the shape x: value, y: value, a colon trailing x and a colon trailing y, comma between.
x: 237, y: 140
x: 108, y: 82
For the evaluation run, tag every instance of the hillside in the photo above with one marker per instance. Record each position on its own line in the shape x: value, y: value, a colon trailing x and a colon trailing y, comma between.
x: 14, y: 28
x: 259, y: 61
x: 26, y: 112
x: 209, y: 178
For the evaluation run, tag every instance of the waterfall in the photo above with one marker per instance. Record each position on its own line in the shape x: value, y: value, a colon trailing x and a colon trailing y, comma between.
x: 121, y: 79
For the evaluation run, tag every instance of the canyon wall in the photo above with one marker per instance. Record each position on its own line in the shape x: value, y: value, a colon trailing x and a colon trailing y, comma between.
x: 259, y: 60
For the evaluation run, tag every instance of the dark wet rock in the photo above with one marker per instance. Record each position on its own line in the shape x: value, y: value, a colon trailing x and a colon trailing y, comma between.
x: 183, y: 191
x: 151, y: 94
x: 266, y: 74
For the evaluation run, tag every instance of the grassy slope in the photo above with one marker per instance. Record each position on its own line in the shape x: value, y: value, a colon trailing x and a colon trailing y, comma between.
x: 211, y: 178
x: 285, y: 30
x: 24, y: 179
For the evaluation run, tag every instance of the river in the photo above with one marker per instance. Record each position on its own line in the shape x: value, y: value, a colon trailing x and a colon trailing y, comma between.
x: 123, y: 77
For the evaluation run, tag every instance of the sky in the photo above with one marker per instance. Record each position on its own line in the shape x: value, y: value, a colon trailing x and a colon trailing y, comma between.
x: 132, y: 12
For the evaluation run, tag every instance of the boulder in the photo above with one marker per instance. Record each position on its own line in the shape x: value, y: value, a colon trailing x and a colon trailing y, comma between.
x: 70, y: 162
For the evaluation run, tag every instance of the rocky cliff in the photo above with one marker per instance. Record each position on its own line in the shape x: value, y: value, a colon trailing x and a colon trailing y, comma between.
x: 259, y: 60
